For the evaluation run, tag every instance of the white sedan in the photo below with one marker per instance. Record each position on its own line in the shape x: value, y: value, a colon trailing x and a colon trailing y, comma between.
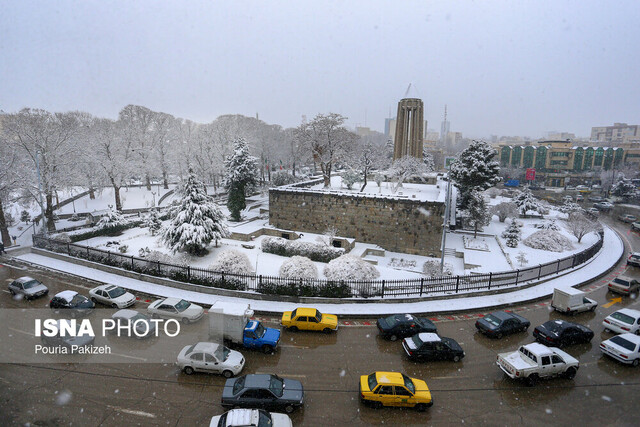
x: 624, y: 348
x: 250, y: 417
x: 175, y: 308
x: 112, y: 295
x: 623, y: 321
x: 212, y: 358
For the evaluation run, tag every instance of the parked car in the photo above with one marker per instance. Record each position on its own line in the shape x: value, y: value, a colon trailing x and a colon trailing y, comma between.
x: 627, y: 218
x: 403, y: 325
x: 559, y: 333
x: 394, y: 389
x: 579, y: 198
x: 309, y: 319
x: 624, y: 285
x: 112, y: 295
x: 570, y: 188
x: 210, y: 357
x: 71, y: 343
x: 596, y: 199
x: 429, y: 346
x: 28, y: 288
x: 603, y: 206
x: 593, y: 211
x: 634, y: 259
x: 251, y: 418
x: 635, y: 226
x: 534, y: 361
x: 624, y: 348
x: 596, y: 187
x: 623, y: 321
x: 501, y: 323
x: 175, y: 308
x: 264, y: 391
x: 582, y: 187
x: 141, y: 326
x: 76, y: 304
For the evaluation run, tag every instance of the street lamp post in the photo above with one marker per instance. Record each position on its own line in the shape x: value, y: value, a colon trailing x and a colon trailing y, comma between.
x: 44, y: 220
x: 445, y: 222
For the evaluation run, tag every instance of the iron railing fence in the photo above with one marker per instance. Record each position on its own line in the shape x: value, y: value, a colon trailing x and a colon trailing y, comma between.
x: 426, y: 286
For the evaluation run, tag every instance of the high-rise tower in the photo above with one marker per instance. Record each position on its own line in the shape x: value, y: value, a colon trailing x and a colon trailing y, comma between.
x: 409, y: 128
x: 444, y: 127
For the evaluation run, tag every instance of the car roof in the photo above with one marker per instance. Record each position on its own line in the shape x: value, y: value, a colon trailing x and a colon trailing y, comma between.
x: 25, y: 279
x: 243, y: 417
x: 305, y: 311
x: 559, y: 323
x: 629, y: 337
x: 629, y: 312
x: 125, y: 313
x: 502, y: 315
x: 107, y: 287
x: 383, y: 377
x: 429, y: 337
x: 207, y: 347
x: 537, y: 348
x: 171, y: 301
x: 66, y: 295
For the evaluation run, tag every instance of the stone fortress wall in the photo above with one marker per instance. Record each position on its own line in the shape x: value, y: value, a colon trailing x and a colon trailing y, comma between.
x: 395, y: 223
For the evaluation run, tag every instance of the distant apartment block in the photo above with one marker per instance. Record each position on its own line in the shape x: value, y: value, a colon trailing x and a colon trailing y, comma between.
x: 618, y: 133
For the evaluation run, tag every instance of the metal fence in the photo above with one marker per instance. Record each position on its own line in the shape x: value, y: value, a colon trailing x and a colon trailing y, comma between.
x: 427, y: 286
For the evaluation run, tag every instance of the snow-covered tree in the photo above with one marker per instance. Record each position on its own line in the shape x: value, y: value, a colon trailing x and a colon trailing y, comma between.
x: 25, y: 217
x: 475, y: 170
x: 525, y: 201
x: 431, y: 268
x: 298, y: 267
x: 196, y: 220
x: 370, y: 154
x: 623, y: 187
x: 548, y: 240
x: 242, y: 172
x: 349, y: 178
x: 327, y: 141
x: 476, y: 212
x: 405, y: 167
x: 282, y: 178
x: 580, y: 225
x: 153, y: 222
x: 350, y: 267
x: 112, y: 221
x: 522, y: 258
x: 504, y: 210
x: 233, y: 262
x: 512, y: 233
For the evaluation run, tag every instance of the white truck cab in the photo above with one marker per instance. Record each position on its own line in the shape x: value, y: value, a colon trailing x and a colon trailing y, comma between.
x: 572, y: 301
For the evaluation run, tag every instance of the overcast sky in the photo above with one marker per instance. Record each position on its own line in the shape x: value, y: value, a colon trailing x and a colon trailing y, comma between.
x: 502, y: 67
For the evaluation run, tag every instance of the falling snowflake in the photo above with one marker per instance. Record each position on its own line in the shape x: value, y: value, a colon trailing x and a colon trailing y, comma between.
x: 63, y: 397
x: 606, y: 398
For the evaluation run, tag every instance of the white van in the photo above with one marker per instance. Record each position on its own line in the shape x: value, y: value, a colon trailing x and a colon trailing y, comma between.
x: 572, y: 301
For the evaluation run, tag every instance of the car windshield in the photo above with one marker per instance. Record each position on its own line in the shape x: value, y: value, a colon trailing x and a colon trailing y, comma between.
x: 409, y: 384
x: 371, y: 380
x: 222, y: 353
x: 276, y: 385
x: 493, y: 320
x: 77, y: 299
x: 627, y: 345
x: 553, y: 326
x: 623, y: 317
x: 621, y: 281
x: 260, y: 330
x: 392, y: 321
x: 238, y: 385
x: 182, y: 305
x: 31, y: 284
x: 117, y: 292
x: 264, y: 419
x: 189, y: 350
x: 417, y: 341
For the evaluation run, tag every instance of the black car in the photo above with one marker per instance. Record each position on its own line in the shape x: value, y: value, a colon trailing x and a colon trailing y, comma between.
x: 560, y: 333
x: 71, y: 343
x: 76, y: 304
x: 404, y: 325
x: 263, y: 391
x: 429, y: 346
x: 501, y: 323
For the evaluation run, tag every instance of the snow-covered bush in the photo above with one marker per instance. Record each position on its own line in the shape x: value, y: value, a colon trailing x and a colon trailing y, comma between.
x: 314, y: 251
x: 431, y: 268
x: 153, y: 222
x: 157, y: 256
x: 504, y: 209
x: 282, y: 178
x: 232, y: 262
x: 123, y: 249
x: 112, y: 223
x: 527, y: 202
x: 493, y: 192
x: 349, y: 178
x: 350, y: 267
x: 548, y: 240
x: 512, y: 233
x: 548, y: 225
x: 144, y: 252
x: 63, y: 237
x: 299, y: 267
x: 522, y: 258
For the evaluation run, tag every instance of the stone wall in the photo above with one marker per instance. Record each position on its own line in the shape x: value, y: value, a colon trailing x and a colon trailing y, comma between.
x: 394, y: 223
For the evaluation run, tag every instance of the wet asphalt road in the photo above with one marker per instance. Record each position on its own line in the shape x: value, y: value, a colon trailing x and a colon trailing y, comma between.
x: 471, y: 391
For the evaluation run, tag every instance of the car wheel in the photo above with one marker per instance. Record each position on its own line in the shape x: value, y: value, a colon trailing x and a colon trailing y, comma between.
x: 376, y: 405
x: 326, y: 330
x: 185, y: 321
x: 93, y: 300
x: 289, y: 409
x: 637, y: 331
x: 593, y: 308
x: 571, y: 373
x: 393, y: 337
x: 154, y: 316
x: 227, y: 373
x: 421, y: 407
x: 636, y: 362
x: 12, y: 292
x: 114, y: 305
x: 267, y: 349
x: 456, y: 358
x: 293, y: 329
x: 499, y: 335
x: 532, y: 380
x: 188, y: 370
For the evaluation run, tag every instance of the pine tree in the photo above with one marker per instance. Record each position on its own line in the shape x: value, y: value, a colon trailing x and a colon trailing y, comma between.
x: 526, y: 202
x: 475, y: 170
x: 512, y: 233
x: 153, y: 222
x: 623, y: 187
x: 196, y: 220
x: 112, y: 222
x: 242, y: 172
x: 476, y: 212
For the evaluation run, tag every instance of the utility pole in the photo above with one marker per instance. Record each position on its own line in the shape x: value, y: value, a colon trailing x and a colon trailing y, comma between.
x: 445, y: 222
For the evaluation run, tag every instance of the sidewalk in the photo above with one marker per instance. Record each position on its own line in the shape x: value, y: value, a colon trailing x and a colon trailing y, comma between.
x: 610, y: 254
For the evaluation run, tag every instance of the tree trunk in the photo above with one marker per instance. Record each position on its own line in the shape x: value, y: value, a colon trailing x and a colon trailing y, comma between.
x: 326, y: 174
x: 92, y: 193
x: 116, y: 191
x: 475, y: 229
x: 165, y: 180
x: 294, y: 168
x: 4, y: 230
x: 48, y: 212
x: 147, y: 181
x: 364, y: 183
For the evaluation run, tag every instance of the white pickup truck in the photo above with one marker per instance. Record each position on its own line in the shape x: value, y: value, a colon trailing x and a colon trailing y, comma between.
x: 534, y: 361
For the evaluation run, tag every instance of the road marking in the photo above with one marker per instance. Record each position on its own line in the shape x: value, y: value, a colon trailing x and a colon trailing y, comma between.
x: 4, y: 290
x: 22, y: 332
x: 129, y: 357
x: 447, y: 378
x: 132, y: 412
x: 281, y: 375
x: 292, y: 346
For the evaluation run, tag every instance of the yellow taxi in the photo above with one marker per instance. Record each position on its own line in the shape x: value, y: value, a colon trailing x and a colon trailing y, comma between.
x: 394, y: 389
x: 309, y: 319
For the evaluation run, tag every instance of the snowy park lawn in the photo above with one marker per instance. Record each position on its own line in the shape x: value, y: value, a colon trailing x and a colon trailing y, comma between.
x: 131, y: 198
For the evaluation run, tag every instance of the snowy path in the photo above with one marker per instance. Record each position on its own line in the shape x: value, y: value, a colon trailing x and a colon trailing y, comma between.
x: 607, y: 258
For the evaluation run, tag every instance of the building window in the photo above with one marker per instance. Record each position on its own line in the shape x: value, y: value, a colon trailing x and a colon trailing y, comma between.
x: 515, y: 157
x: 577, y: 160
x: 527, y: 160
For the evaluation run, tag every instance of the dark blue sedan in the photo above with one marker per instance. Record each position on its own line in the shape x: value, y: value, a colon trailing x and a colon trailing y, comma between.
x: 500, y: 323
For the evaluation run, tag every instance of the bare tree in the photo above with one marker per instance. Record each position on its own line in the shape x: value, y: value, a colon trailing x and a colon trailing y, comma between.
x: 9, y: 182
x: 327, y: 140
x: 406, y: 167
x: 579, y: 225
x: 504, y: 210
